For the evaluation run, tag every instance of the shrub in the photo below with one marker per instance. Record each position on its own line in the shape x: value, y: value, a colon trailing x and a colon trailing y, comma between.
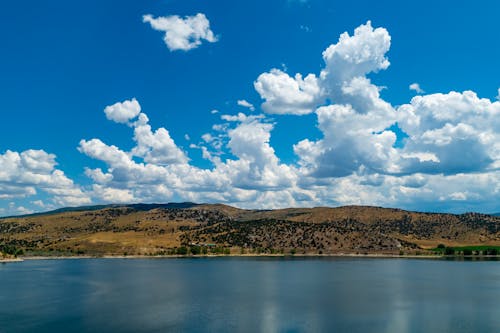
x: 491, y: 252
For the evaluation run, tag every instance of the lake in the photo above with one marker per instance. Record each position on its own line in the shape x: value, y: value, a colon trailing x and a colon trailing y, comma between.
x: 250, y: 295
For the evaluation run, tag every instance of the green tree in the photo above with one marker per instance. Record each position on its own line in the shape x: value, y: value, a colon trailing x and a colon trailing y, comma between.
x: 182, y: 251
x: 195, y: 250
x: 449, y: 251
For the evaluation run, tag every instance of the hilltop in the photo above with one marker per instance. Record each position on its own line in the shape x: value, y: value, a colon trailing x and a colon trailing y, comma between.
x: 159, y: 229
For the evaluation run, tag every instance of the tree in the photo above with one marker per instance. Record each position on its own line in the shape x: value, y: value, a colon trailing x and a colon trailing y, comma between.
x: 182, y: 250
x: 195, y: 250
x: 449, y: 251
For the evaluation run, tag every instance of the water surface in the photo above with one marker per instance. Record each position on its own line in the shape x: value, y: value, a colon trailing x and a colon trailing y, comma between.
x: 250, y: 295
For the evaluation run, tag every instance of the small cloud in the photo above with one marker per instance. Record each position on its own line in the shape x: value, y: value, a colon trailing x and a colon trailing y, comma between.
x: 305, y: 28
x: 182, y: 33
x: 246, y: 104
x: 498, y: 96
x: 240, y: 117
x: 39, y: 203
x: 219, y: 127
x: 207, y: 137
x: 458, y: 196
x: 123, y: 112
x: 416, y: 87
x: 186, y: 136
x: 214, y: 111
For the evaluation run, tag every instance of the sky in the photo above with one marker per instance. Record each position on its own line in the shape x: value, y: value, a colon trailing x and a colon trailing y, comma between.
x: 256, y: 104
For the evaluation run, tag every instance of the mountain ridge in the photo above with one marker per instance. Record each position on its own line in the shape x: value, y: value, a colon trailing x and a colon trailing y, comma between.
x: 149, y: 229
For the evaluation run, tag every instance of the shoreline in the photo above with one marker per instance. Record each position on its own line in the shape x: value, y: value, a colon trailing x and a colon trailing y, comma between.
x: 339, y: 255
x: 7, y: 260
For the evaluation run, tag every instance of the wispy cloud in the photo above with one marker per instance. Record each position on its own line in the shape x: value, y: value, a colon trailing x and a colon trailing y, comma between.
x: 416, y: 87
x: 246, y: 104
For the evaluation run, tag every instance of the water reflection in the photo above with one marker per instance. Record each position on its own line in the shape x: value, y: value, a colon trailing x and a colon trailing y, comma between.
x: 250, y: 295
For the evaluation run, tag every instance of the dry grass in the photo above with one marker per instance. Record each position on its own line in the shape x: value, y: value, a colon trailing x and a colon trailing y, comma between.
x: 120, y: 230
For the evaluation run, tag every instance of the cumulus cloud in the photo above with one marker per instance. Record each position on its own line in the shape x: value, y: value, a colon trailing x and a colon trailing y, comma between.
x: 254, y: 172
x: 357, y: 55
x: 27, y: 173
x: 123, y: 112
x: 460, y: 129
x: 284, y: 94
x: 416, y: 87
x: 182, y: 33
x: 357, y: 118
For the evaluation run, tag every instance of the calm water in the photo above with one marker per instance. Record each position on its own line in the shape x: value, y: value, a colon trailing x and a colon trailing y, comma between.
x: 250, y: 295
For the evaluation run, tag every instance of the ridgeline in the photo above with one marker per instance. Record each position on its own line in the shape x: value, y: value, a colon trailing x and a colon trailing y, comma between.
x: 188, y: 228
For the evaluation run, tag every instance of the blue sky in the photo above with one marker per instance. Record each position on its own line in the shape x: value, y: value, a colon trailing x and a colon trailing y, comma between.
x: 322, y: 141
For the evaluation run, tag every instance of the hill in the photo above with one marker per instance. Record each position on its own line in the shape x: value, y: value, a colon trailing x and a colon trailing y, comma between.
x: 152, y: 229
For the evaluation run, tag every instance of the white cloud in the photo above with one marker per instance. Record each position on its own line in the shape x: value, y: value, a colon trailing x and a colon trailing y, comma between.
x: 156, y: 147
x: 123, y: 112
x: 114, y: 195
x: 183, y: 33
x: 461, y: 130
x: 27, y: 173
x: 416, y: 87
x: 498, y: 96
x: 214, y: 111
x: 246, y: 104
x: 254, y: 173
x: 286, y: 95
x: 354, y: 127
x: 357, y: 55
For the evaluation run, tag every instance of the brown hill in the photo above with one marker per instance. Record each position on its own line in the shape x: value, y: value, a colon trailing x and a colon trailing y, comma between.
x: 165, y: 229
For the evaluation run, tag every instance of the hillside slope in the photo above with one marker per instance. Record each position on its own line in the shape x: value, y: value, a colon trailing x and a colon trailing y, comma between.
x: 159, y: 229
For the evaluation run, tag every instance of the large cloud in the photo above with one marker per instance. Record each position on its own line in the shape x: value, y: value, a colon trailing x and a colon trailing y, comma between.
x: 182, y: 33
x: 164, y: 173
x: 460, y: 130
x: 27, y: 173
x: 287, y: 95
x: 354, y: 126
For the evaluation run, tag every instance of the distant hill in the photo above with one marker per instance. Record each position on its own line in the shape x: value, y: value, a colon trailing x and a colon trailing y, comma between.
x: 145, y: 229
x: 138, y: 206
